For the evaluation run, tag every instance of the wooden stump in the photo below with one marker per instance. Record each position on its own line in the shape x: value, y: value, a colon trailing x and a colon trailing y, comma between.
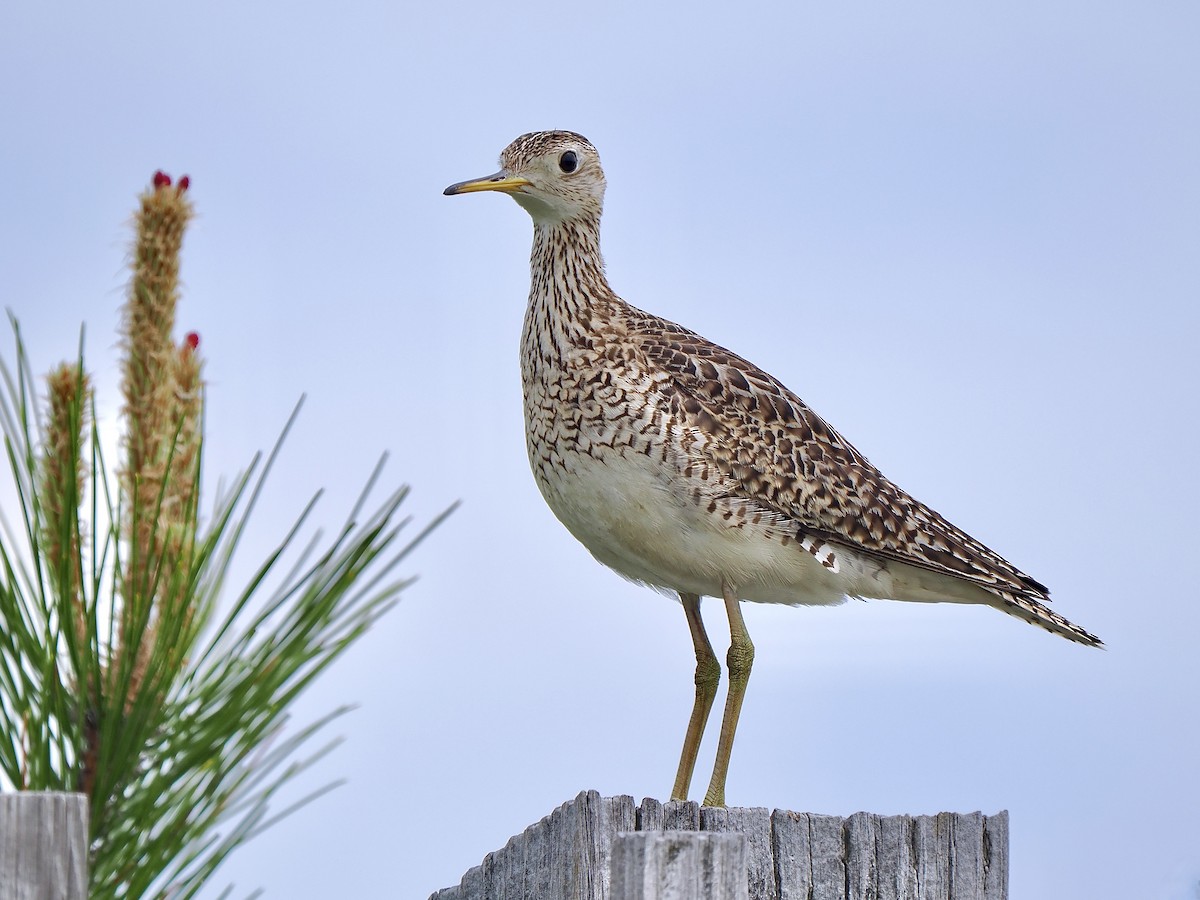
x: 789, y: 855
x: 43, y: 846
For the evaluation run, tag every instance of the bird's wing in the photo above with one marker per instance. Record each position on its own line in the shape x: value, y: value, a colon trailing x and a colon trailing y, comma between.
x: 782, y: 455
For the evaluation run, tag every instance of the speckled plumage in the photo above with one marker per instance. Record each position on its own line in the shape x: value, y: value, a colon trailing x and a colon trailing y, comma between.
x: 683, y: 466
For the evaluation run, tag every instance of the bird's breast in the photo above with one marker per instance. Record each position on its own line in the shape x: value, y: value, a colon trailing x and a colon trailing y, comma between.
x: 629, y: 480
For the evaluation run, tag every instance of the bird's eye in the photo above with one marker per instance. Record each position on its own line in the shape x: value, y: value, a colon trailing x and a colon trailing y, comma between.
x: 568, y: 162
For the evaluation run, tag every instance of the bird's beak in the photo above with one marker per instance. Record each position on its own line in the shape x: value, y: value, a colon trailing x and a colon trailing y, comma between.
x: 501, y: 181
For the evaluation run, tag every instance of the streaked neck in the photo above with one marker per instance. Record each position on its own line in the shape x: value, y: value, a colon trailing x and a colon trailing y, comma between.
x: 568, y: 289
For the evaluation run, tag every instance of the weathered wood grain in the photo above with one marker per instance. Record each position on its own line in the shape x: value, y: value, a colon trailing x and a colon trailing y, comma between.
x: 755, y: 823
x: 791, y: 845
x: 894, y: 859
x: 995, y: 856
x: 788, y: 855
x: 861, y: 832
x: 43, y: 846
x: 679, y: 865
x: 674, y: 815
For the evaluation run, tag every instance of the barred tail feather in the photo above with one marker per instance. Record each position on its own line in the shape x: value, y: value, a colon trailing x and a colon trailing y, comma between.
x: 1036, y: 613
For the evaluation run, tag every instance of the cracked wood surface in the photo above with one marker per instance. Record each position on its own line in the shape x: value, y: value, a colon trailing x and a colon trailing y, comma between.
x: 789, y: 855
x: 43, y: 846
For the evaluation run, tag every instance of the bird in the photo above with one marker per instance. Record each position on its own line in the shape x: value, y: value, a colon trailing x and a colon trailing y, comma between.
x: 684, y: 467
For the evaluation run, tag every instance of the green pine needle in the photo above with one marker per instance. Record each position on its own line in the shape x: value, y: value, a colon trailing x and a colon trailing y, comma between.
x: 191, y: 749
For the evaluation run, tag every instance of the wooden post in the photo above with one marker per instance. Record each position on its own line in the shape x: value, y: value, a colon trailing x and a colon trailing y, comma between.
x: 678, y: 865
x: 43, y: 846
x: 789, y: 855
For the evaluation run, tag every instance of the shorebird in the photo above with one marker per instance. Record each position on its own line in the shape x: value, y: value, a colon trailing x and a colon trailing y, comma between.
x: 687, y: 468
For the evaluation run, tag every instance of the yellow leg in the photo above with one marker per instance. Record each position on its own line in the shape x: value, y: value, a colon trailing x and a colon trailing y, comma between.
x: 740, y: 659
x: 708, y: 676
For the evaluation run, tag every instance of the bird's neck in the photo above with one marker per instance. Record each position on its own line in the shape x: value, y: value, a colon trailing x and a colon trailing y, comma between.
x: 568, y: 290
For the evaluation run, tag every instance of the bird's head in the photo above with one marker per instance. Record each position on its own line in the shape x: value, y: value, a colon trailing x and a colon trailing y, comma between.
x: 555, y: 175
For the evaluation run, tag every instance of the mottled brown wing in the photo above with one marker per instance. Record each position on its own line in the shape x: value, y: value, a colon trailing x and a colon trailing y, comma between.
x: 786, y: 457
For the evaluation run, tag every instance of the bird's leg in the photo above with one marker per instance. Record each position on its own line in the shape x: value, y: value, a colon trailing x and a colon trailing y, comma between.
x: 708, y: 676
x: 740, y: 659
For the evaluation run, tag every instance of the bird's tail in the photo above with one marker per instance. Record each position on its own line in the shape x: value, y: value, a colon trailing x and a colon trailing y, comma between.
x: 1037, y: 613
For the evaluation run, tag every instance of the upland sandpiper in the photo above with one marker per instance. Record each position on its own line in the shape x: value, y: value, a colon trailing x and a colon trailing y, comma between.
x: 685, y: 467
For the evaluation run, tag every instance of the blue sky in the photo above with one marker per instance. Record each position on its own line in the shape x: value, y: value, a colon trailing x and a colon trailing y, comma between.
x: 967, y: 235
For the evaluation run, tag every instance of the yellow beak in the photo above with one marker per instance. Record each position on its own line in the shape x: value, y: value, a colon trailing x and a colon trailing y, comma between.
x: 501, y: 181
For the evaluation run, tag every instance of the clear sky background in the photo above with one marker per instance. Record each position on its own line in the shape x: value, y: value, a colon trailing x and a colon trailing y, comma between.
x: 968, y: 235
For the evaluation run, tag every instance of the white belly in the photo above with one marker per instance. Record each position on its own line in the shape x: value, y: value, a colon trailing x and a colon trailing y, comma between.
x: 633, y: 515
